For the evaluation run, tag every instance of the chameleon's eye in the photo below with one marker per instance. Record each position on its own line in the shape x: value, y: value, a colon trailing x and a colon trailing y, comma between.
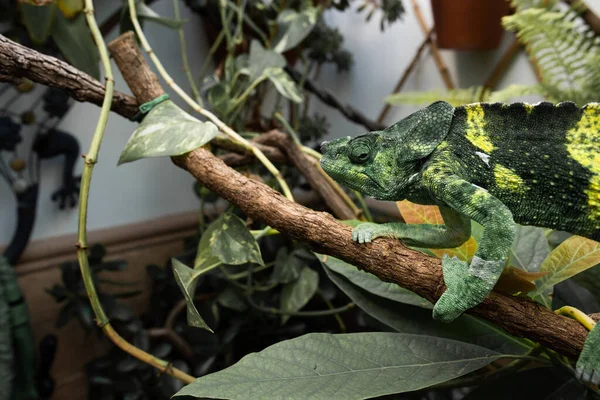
x: 360, y: 152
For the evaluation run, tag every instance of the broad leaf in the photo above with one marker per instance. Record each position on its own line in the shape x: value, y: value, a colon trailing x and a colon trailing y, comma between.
x: 184, y: 276
x: 148, y: 14
x: 295, y: 295
x: 530, y: 248
x: 574, y: 255
x: 70, y: 8
x: 373, y: 284
x: 293, y: 27
x: 260, y: 59
x: 409, y: 319
x: 233, y: 243
x: 284, y: 84
x: 516, y: 281
x: 167, y: 130
x: 38, y: 20
x: 230, y: 298
x: 287, y: 266
x: 420, y: 214
x: 73, y: 38
x: 342, y: 367
x: 204, y: 255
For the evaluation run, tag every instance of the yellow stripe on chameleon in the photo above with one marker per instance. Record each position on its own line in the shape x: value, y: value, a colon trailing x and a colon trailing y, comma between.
x: 476, y: 128
x: 507, y: 179
x: 583, y: 144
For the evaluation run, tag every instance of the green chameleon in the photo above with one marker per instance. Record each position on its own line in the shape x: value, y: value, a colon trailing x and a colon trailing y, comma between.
x: 497, y: 164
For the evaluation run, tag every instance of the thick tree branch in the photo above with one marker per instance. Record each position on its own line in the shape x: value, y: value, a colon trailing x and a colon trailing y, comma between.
x: 17, y: 62
x: 388, y: 259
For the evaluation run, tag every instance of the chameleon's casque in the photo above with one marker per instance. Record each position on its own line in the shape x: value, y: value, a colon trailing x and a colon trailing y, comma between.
x: 496, y: 164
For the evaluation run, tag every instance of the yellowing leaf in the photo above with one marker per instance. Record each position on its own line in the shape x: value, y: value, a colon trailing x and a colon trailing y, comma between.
x: 420, y: 214
x: 514, y: 280
x: 70, y: 8
x: 573, y: 256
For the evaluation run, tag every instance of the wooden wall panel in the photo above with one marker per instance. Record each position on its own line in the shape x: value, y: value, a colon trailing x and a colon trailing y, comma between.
x: 139, y: 247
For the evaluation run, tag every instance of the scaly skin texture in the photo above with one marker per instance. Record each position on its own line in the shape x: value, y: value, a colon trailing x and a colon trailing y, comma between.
x: 496, y: 164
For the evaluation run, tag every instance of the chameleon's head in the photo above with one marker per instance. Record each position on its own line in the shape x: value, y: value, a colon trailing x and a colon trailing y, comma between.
x: 382, y: 164
x: 366, y: 163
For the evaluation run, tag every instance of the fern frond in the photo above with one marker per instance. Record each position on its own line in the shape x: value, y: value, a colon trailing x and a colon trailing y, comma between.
x: 563, y: 46
x: 455, y: 97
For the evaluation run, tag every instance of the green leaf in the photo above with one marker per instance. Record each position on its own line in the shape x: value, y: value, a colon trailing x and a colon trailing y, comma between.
x: 573, y: 256
x: 184, y: 276
x: 409, y: 319
x: 284, y: 84
x: 73, y: 38
x: 70, y: 8
x: 146, y: 13
x: 230, y: 298
x: 530, y: 248
x: 293, y: 27
x: 204, y: 254
x: 167, y: 130
x: 260, y: 59
x: 287, y: 266
x: 295, y: 295
x: 38, y: 20
x: 322, y: 366
x: 373, y: 284
x: 233, y: 243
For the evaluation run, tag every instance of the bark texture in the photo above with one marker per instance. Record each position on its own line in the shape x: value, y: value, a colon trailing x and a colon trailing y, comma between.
x: 18, y: 62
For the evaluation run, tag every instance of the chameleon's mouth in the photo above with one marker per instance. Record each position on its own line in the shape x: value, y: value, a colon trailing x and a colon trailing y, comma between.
x: 356, y: 180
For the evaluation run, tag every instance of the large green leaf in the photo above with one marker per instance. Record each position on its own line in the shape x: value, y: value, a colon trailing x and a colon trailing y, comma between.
x: 293, y: 27
x: 204, y: 255
x: 260, y: 59
x: 373, y: 284
x: 284, y: 84
x: 573, y: 256
x: 38, y: 20
x: 287, y: 266
x: 167, y: 130
x: 73, y: 38
x: 345, y: 367
x: 233, y: 243
x: 530, y: 248
x: 409, y: 319
x: 184, y: 276
x: 295, y: 295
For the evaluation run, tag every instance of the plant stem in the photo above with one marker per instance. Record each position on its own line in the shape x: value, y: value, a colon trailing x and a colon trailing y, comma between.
x: 213, y: 118
x: 91, y: 159
x: 209, y: 56
x: 184, y: 58
x: 578, y: 315
x: 246, y: 93
x: 363, y: 204
x: 337, y: 316
x: 288, y: 128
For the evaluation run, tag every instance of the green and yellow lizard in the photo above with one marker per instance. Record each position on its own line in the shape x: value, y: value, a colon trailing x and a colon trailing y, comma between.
x: 497, y: 164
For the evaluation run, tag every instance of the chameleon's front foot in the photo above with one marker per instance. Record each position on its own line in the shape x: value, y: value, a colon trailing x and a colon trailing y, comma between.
x: 467, y: 286
x: 588, y: 364
x: 367, y: 231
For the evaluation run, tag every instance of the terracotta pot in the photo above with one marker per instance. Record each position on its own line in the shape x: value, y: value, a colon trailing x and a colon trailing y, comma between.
x: 469, y: 24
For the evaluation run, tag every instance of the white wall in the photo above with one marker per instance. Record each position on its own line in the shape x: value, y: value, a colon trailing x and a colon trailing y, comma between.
x: 154, y: 187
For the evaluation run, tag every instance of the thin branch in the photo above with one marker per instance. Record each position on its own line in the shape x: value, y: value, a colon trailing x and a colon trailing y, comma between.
x: 435, y: 52
x: 328, y: 98
x: 18, y: 61
x: 82, y: 246
x: 405, y: 75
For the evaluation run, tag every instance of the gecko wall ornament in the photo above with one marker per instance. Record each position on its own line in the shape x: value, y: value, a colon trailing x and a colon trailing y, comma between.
x: 497, y: 164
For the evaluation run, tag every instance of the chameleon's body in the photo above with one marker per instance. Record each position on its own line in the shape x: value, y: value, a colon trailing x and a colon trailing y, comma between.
x: 496, y: 164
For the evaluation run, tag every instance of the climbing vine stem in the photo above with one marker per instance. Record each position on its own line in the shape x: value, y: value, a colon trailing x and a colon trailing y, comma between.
x: 90, y: 159
x: 201, y: 110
